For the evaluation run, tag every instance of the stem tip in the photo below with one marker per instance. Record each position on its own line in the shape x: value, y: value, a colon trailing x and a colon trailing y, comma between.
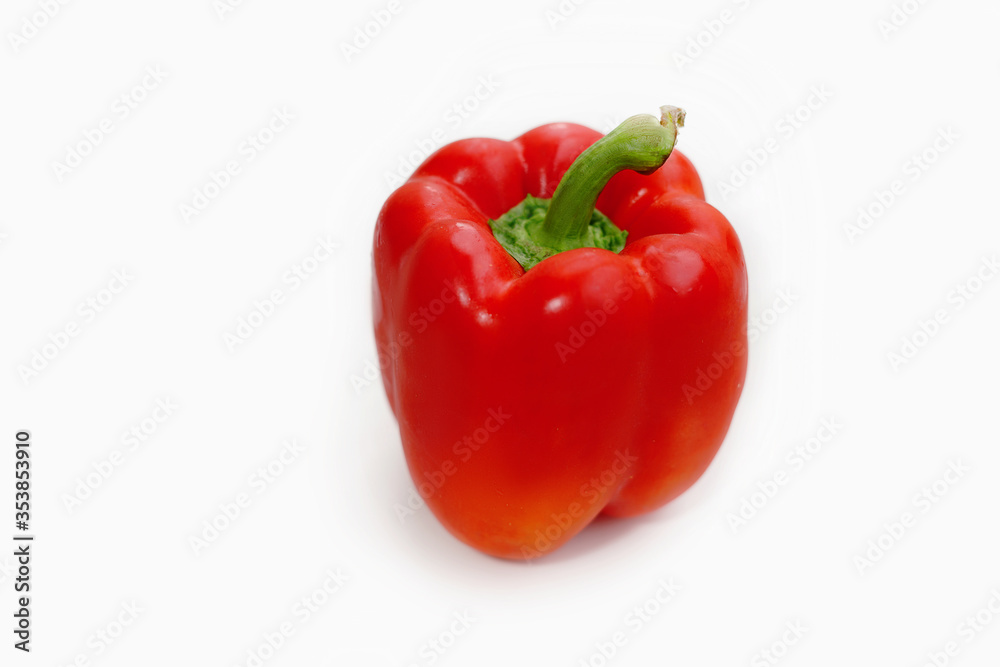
x: 673, y: 115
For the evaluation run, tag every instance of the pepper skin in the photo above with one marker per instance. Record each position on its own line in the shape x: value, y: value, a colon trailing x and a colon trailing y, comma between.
x: 529, y: 402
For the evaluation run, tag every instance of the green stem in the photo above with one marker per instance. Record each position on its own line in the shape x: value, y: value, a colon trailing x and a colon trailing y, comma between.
x: 537, y: 229
x: 642, y: 143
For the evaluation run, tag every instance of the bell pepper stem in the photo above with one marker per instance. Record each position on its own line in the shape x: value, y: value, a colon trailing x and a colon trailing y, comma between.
x: 641, y: 143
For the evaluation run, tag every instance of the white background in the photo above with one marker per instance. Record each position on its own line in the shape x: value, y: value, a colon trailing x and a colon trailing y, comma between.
x: 887, y: 95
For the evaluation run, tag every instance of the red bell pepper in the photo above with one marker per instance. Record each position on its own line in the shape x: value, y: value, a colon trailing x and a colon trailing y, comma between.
x: 544, y: 367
